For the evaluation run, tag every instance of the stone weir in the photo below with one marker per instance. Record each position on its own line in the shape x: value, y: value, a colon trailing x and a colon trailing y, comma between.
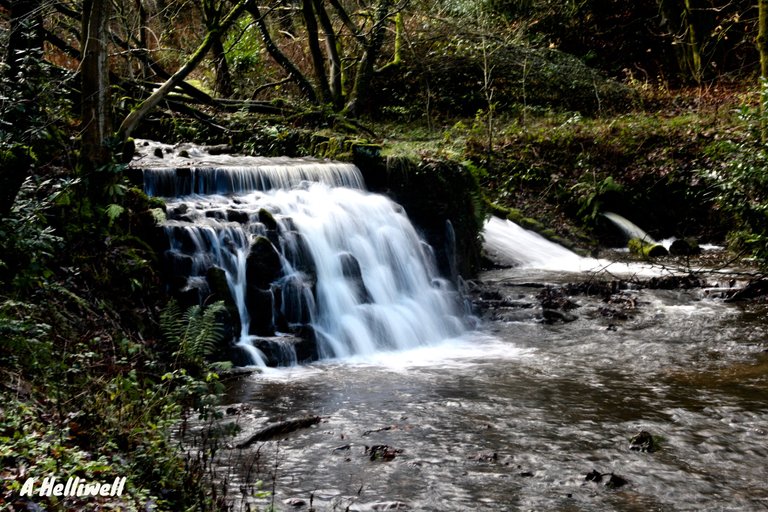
x: 309, y: 264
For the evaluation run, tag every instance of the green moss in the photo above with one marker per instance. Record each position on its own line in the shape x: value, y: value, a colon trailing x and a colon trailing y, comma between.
x: 645, y: 249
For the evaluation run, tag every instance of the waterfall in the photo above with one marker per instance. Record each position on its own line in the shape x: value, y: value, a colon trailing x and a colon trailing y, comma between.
x: 305, y: 249
x: 629, y: 229
x: 508, y: 244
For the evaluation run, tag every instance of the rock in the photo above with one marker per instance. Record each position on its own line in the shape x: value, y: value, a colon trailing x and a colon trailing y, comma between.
x: 594, y: 476
x: 295, y: 502
x: 552, y: 316
x: 390, y: 505
x: 642, y: 442
x: 260, y: 306
x: 279, y: 350
x: 182, y: 209
x: 614, y: 482
x: 129, y: 149
x: 216, y: 214
x: 263, y: 264
x: 220, y: 149
x: 182, y: 237
x: 178, y: 264
x: 216, y: 278
x: 350, y: 269
x: 382, y: 452
x: 754, y: 289
x: 266, y: 218
x: 684, y: 247
x: 237, y: 216
x: 645, y: 249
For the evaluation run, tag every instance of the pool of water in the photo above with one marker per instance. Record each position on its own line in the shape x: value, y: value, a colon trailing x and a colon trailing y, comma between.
x: 516, y: 414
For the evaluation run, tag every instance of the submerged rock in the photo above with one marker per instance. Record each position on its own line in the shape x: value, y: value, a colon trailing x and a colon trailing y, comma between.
x: 614, y: 481
x: 642, y: 442
x: 382, y: 452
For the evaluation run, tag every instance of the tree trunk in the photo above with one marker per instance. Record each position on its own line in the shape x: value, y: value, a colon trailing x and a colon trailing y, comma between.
x: 365, y: 68
x: 762, y: 37
x: 96, y: 122
x: 691, y: 20
x: 223, y: 84
x: 332, y: 48
x: 318, y: 62
x: 284, y: 62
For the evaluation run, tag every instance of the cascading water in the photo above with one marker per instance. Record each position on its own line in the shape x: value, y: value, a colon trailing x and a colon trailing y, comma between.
x: 303, y: 249
x: 629, y: 229
x: 511, y: 245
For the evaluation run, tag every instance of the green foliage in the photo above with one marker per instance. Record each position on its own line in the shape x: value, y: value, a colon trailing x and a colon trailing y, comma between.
x: 590, y: 193
x: 28, y: 243
x: 243, y: 48
x: 742, y: 193
x: 195, y: 333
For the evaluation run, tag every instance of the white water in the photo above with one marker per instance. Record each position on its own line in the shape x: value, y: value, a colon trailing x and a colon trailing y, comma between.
x: 325, y: 221
x: 630, y: 229
x: 508, y: 244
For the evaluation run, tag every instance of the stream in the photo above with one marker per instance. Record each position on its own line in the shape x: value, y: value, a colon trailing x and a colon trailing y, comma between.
x: 515, y: 415
x: 534, y: 403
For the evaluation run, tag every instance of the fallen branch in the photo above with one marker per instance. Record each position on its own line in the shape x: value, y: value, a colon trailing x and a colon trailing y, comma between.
x: 278, y: 429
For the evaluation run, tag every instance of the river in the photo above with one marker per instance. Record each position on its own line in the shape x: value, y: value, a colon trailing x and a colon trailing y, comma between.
x: 516, y: 414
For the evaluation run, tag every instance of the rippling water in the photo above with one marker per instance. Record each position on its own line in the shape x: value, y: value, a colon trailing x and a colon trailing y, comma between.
x: 515, y: 415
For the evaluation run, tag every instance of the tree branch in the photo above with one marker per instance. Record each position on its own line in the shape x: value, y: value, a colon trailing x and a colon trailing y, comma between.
x: 135, y: 117
x: 279, y: 57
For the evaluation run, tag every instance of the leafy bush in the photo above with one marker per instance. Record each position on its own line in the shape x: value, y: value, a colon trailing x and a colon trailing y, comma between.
x: 742, y: 193
x: 27, y: 242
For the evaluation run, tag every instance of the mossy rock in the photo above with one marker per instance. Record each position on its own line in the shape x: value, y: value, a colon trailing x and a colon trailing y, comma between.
x: 684, y: 247
x: 266, y: 218
x: 645, y: 249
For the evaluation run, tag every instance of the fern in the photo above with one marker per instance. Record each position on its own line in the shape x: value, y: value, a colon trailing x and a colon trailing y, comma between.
x: 197, y: 332
x: 171, y: 323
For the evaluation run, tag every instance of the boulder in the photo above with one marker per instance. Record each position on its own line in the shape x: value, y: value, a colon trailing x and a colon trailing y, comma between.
x: 350, y: 269
x: 263, y: 264
x: 260, y: 305
x: 684, y: 247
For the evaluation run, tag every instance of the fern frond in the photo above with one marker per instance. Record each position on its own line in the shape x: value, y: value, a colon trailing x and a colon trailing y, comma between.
x: 171, y: 323
x: 197, y: 332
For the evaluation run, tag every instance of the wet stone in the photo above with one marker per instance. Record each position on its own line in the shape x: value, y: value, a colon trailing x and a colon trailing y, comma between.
x: 295, y: 502
x: 216, y: 214
x: 237, y: 216
x: 382, y: 452
x: 594, y: 476
x: 642, y: 442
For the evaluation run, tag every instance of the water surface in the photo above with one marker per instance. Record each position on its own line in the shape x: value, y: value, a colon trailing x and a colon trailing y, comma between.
x: 515, y: 415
